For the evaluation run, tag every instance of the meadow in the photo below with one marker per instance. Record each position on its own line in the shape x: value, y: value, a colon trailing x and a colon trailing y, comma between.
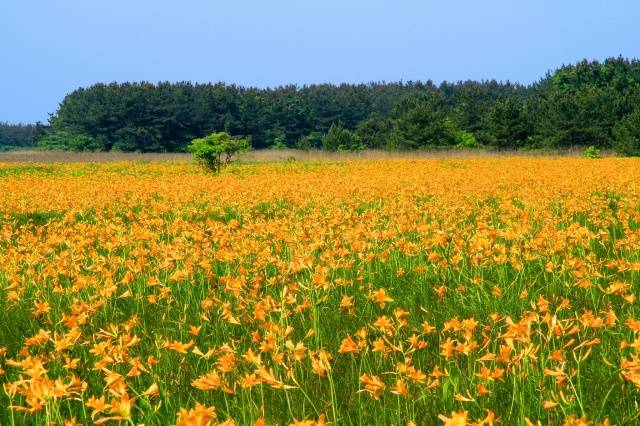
x: 359, y: 292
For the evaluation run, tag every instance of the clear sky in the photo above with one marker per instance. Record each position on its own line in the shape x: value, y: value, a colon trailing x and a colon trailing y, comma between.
x: 50, y: 47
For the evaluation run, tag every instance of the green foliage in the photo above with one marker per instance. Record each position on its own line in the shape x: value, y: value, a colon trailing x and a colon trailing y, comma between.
x: 591, y: 152
x: 506, y: 124
x: 581, y: 117
x: 374, y: 131
x: 279, y: 142
x: 311, y: 141
x: 578, y: 105
x: 422, y: 121
x: 8, y: 148
x: 67, y: 141
x: 340, y: 139
x: 167, y: 116
x: 18, y: 136
x: 627, y: 135
x: 465, y: 140
x: 616, y: 73
x: 216, y: 150
x: 139, y: 139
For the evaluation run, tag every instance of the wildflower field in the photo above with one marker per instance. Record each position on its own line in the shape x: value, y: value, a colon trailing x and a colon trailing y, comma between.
x: 428, y: 291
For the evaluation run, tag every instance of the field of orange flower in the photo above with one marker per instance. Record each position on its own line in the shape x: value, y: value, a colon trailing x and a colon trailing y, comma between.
x: 435, y: 291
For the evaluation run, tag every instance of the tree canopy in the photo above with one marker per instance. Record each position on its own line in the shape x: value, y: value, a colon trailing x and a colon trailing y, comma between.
x: 18, y: 136
x: 588, y: 103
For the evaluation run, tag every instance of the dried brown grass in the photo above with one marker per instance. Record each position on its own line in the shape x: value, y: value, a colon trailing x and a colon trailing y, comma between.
x: 273, y: 155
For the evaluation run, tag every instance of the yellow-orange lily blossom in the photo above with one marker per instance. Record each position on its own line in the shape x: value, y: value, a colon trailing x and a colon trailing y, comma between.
x: 290, y: 293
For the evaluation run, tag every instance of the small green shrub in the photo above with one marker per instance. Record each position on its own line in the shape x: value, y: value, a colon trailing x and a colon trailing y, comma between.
x: 591, y: 152
x: 465, y: 140
x: 216, y: 150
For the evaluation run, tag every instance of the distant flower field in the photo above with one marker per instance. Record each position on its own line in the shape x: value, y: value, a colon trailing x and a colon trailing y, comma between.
x: 430, y: 291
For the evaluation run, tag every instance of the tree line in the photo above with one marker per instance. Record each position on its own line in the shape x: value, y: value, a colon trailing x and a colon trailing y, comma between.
x: 19, y: 136
x: 590, y: 103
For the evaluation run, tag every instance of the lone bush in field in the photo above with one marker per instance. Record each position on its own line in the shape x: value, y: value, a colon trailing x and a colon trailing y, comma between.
x: 216, y: 150
x: 591, y: 152
x: 465, y: 140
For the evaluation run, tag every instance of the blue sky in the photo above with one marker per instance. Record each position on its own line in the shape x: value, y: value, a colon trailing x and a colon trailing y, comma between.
x: 49, y: 48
